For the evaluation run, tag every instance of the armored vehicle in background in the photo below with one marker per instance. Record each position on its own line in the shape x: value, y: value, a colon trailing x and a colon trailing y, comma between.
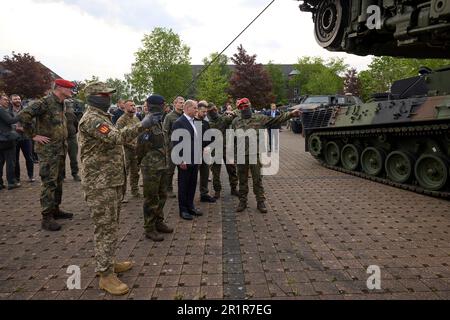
x: 398, y: 28
x: 401, y: 138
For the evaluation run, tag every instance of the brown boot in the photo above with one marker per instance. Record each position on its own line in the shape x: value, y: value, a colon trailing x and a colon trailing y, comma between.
x: 234, y: 192
x: 154, y: 235
x: 216, y: 195
x: 110, y: 283
x: 49, y: 223
x: 242, y: 206
x: 120, y: 267
x: 61, y: 214
x: 261, y: 207
x: 163, y: 228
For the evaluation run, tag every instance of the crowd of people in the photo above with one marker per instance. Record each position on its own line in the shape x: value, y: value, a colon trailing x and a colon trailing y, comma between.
x: 118, y: 145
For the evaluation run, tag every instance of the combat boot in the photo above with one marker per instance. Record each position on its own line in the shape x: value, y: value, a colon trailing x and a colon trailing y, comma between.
x: 120, y: 267
x: 217, y: 195
x: 61, y: 214
x: 163, y: 228
x: 110, y: 283
x: 242, y: 206
x: 154, y: 235
x: 49, y: 223
x: 261, y: 207
x: 234, y: 192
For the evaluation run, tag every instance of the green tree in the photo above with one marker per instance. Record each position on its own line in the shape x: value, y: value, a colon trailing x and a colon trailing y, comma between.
x: 319, y: 76
x: 278, y: 83
x: 213, y: 83
x: 383, y: 71
x: 123, y: 89
x: 162, y: 65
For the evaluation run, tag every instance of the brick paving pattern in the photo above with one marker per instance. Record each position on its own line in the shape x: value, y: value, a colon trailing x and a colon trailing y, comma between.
x: 322, y: 232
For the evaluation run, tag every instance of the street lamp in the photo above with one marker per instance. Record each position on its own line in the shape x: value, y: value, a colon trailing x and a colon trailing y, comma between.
x: 296, y: 85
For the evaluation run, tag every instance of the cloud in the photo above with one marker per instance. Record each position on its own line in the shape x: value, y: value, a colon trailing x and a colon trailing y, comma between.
x: 81, y: 38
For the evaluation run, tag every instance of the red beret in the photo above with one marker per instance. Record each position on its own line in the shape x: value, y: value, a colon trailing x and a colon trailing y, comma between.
x: 243, y: 103
x: 64, y: 83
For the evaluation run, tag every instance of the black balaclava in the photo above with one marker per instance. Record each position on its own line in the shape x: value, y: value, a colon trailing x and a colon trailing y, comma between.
x: 101, y: 102
x: 246, y: 113
x: 156, y: 111
x: 213, y: 115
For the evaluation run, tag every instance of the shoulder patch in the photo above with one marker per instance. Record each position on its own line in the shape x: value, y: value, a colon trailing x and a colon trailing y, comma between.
x: 103, y: 128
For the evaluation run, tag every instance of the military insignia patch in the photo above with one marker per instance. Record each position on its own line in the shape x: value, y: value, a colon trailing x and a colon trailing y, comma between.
x: 103, y: 128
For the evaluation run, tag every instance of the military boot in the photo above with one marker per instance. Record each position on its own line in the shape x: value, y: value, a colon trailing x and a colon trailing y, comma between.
x: 110, y: 283
x: 61, y: 214
x: 217, y: 195
x: 154, y: 235
x: 163, y: 228
x: 261, y: 207
x: 120, y: 267
x: 234, y: 192
x: 49, y: 223
x: 242, y: 206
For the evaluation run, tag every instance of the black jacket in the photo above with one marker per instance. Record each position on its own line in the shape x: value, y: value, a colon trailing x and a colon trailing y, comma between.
x: 7, y: 119
x: 195, y: 155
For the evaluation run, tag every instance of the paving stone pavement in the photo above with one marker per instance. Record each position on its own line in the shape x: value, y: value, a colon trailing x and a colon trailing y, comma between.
x: 322, y: 232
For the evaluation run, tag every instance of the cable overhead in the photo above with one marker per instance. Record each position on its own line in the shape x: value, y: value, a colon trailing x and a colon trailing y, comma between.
x: 218, y: 56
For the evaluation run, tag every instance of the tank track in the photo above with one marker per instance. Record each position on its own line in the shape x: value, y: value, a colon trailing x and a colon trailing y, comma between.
x: 422, y: 130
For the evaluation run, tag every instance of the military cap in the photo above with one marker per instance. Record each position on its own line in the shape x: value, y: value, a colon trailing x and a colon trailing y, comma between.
x: 243, y: 103
x: 155, y: 100
x: 97, y: 87
x: 64, y: 83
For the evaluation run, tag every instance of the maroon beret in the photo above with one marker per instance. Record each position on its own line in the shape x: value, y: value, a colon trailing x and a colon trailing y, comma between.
x: 243, y: 103
x: 64, y: 83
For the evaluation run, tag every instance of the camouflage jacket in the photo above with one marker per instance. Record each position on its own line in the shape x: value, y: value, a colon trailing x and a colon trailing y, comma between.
x: 169, y: 120
x: 128, y: 120
x: 222, y: 123
x: 258, y: 122
x: 153, y: 149
x: 101, y: 152
x: 46, y: 117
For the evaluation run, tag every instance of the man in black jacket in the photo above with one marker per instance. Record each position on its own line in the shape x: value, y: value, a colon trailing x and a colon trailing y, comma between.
x: 192, y: 154
x: 204, y: 167
x: 273, y: 137
x: 7, y: 143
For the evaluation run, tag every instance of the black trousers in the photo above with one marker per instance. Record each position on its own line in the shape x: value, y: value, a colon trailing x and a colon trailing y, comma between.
x: 27, y: 149
x: 8, y: 156
x: 187, y: 184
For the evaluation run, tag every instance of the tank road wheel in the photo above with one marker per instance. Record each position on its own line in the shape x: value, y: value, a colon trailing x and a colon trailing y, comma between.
x: 432, y: 171
x: 330, y: 22
x: 350, y: 156
x: 399, y: 166
x: 372, y: 161
x: 315, y: 145
x: 333, y: 153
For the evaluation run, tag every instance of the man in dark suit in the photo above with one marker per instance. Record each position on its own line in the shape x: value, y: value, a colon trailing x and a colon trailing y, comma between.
x: 188, y: 168
x: 273, y: 113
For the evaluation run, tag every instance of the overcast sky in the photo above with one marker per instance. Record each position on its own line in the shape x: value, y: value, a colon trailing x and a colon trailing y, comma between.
x: 81, y: 38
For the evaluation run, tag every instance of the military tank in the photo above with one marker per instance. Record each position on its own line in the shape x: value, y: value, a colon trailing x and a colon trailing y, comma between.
x: 401, y: 138
x: 399, y: 28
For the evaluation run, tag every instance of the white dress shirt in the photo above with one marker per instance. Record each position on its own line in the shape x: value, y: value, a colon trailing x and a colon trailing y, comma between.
x: 191, y: 121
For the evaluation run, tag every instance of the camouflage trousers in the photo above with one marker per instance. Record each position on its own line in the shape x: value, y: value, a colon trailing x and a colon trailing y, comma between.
x: 232, y: 175
x: 170, y: 173
x: 204, y: 177
x: 132, y: 170
x: 155, y: 194
x: 105, y: 205
x: 258, y: 189
x: 72, y: 151
x: 51, y: 171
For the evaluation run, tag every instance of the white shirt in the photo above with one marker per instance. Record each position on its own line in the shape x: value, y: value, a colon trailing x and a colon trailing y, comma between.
x: 191, y: 121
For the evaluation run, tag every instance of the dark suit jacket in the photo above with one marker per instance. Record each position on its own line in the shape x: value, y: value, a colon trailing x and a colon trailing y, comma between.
x: 183, y: 123
x: 269, y: 114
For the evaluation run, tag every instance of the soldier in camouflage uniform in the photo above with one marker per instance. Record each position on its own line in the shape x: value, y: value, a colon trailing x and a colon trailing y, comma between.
x: 45, y: 122
x: 103, y: 179
x: 169, y: 120
x: 222, y: 123
x: 154, y: 159
x: 131, y: 163
x: 246, y: 120
x: 72, y: 144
